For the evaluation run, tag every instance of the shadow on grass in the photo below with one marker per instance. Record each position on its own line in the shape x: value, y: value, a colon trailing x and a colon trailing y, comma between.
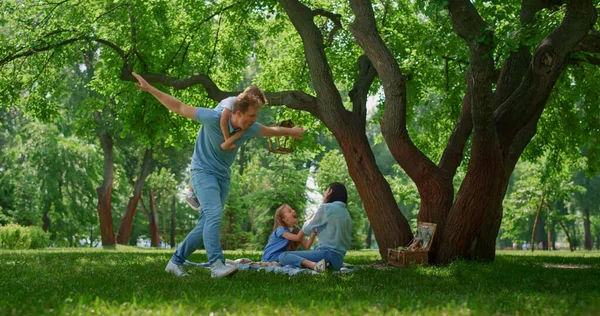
x: 132, y: 282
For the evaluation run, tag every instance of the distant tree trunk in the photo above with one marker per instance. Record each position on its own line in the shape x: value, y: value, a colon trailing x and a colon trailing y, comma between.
x: 91, y: 236
x: 46, y: 219
x: 587, y: 241
x: 164, y: 223
x: 173, y: 212
x: 127, y: 220
x: 369, y: 239
x: 571, y: 246
x: 537, y: 218
x: 104, y: 191
x: 155, y: 238
x: 132, y: 238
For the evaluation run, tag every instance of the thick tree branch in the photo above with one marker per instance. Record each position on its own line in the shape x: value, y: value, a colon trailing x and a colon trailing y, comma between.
x: 453, y: 153
x: 360, y: 90
x: 314, y: 50
x: 393, y: 125
x: 293, y: 99
x: 549, y: 61
x: 590, y: 44
x: 335, y: 18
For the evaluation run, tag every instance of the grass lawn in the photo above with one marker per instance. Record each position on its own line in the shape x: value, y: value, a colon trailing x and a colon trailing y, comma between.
x: 132, y: 281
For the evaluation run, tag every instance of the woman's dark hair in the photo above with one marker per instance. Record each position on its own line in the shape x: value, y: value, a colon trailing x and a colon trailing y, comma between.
x: 338, y: 193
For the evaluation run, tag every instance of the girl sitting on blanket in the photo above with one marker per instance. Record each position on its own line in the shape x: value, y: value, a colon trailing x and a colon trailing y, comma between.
x: 286, y: 235
x: 334, y: 225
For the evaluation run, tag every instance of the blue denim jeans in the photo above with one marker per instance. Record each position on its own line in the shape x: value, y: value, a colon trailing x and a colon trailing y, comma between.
x: 212, y: 192
x: 295, y: 258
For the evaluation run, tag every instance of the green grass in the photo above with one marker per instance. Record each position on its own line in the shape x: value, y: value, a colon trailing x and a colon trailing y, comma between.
x: 131, y: 281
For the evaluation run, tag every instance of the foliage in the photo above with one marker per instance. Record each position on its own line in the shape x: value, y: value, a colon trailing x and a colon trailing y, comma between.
x: 537, y: 183
x: 14, y: 236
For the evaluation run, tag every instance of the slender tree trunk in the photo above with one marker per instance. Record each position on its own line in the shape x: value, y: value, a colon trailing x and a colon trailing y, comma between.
x: 127, y: 220
x: 154, y: 236
x: 587, y: 241
x: 104, y: 191
x: 91, y: 236
x: 571, y: 247
x: 368, y: 241
x: 46, y: 220
x: 537, y: 218
x: 164, y: 223
x: 173, y: 212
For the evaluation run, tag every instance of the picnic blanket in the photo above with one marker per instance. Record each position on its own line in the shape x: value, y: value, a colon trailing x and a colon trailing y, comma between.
x: 272, y: 267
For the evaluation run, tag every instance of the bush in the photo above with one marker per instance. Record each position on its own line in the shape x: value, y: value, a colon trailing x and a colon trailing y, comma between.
x: 13, y: 236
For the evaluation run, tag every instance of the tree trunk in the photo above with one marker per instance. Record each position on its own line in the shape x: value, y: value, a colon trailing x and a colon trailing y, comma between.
x: 571, y: 247
x: 368, y: 240
x: 587, y: 241
x: 127, y: 220
x: 104, y: 191
x: 390, y: 226
x: 46, y: 220
x: 153, y: 219
x: 173, y: 212
x: 537, y: 218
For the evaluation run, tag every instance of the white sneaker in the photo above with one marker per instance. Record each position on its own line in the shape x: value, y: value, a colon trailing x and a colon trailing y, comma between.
x: 176, y: 269
x: 192, y: 201
x: 320, y: 266
x: 219, y: 270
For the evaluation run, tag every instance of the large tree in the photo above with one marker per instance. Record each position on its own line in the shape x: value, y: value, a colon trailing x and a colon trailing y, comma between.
x: 508, y: 71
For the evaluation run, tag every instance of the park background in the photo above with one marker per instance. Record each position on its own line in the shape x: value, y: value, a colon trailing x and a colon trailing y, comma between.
x: 397, y: 114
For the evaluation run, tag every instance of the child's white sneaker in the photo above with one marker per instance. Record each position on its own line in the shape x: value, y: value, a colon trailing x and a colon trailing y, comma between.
x: 192, y: 201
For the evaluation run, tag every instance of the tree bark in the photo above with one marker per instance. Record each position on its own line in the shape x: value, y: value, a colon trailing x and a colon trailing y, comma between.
x: 173, y: 226
x: 127, y: 220
x: 571, y: 247
x: 104, y: 191
x: 537, y: 218
x: 587, y: 240
x: 154, y: 236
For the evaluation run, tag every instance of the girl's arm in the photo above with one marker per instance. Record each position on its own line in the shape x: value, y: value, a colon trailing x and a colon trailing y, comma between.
x: 307, y: 243
x: 293, y: 237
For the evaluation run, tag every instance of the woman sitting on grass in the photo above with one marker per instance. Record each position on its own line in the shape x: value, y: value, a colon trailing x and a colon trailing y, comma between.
x: 286, y: 235
x: 333, y: 223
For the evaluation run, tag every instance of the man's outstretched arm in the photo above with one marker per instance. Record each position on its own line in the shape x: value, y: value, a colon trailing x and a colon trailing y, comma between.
x: 173, y: 104
x: 295, y: 131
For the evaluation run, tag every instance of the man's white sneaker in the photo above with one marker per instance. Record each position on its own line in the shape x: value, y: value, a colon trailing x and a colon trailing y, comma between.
x: 321, y: 266
x: 219, y: 270
x: 176, y: 269
x: 192, y: 201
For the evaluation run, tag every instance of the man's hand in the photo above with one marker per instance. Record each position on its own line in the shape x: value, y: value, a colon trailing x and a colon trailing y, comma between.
x: 297, y: 131
x: 143, y: 84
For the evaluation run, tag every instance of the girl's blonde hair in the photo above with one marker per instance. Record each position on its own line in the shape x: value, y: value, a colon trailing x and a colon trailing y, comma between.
x: 278, y: 222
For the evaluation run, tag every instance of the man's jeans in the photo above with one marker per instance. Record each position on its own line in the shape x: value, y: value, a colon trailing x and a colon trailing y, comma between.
x: 212, y: 193
x: 295, y: 258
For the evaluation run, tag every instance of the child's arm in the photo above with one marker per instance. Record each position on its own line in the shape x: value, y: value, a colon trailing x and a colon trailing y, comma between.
x: 307, y: 243
x: 224, y: 123
x: 228, y: 144
x: 293, y: 237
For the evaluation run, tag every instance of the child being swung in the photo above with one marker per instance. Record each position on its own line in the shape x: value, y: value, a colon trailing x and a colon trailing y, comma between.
x: 225, y: 107
x: 286, y: 235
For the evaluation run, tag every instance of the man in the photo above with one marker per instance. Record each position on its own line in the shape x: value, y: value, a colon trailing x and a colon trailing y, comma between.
x: 210, y: 171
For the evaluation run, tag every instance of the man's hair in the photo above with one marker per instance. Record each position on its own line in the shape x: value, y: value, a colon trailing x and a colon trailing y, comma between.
x: 243, y: 102
x: 338, y: 193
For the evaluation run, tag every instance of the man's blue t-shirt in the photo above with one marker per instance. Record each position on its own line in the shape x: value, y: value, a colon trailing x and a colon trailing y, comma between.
x: 276, y: 245
x: 208, y: 154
